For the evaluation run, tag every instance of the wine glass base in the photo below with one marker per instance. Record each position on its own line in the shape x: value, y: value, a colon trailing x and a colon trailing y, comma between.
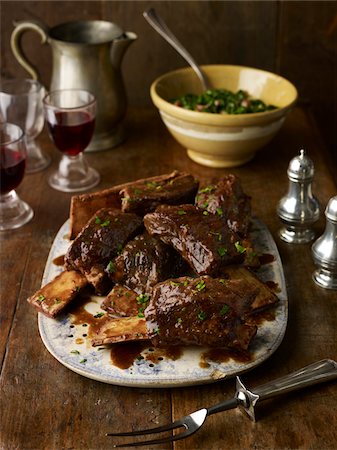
x: 36, y: 165
x: 63, y: 184
x: 15, y: 215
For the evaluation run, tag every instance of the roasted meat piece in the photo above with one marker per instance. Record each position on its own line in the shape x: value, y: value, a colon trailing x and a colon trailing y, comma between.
x: 248, y: 282
x: 144, y: 261
x: 227, y: 199
x: 199, y: 311
x: 53, y: 298
x: 93, y: 250
x: 203, y: 239
x: 123, y: 302
x: 143, y: 196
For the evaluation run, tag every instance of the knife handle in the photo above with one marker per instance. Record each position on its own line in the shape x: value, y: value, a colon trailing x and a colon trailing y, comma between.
x: 315, y: 373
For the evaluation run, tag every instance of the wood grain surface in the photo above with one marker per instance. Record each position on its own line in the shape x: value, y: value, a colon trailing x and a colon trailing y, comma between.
x: 43, y: 405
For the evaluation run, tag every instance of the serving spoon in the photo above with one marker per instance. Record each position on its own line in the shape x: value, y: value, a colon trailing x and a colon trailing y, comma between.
x: 160, y: 26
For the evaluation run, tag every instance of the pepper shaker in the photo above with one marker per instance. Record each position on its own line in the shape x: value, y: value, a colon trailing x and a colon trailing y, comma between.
x: 324, y: 250
x: 299, y: 209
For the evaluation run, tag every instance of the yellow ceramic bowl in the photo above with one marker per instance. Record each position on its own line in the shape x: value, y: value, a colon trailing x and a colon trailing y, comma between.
x: 223, y: 140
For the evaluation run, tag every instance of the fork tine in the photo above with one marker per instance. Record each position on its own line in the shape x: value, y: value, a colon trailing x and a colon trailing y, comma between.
x: 170, y: 426
x: 172, y: 438
x: 191, y: 423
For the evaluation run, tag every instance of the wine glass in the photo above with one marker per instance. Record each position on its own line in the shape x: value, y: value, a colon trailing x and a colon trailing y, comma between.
x: 70, y: 115
x: 13, y: 211
x: 21, y: 103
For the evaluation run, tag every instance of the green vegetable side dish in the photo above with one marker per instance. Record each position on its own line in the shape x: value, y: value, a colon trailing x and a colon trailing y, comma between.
x: 222, y: 101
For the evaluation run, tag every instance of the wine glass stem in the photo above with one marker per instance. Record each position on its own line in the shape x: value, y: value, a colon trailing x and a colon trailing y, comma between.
x: 73, y: 167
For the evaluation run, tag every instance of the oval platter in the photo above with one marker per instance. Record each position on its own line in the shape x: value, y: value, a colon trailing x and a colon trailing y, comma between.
x: 71, y: 347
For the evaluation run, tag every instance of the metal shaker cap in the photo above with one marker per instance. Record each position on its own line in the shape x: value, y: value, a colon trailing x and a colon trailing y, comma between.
x: 301, y: 168
x: 331, y: 209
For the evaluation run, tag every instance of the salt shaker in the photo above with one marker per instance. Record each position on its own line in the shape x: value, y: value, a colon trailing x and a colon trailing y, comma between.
x: 324, y: 250
x: 299, y: 209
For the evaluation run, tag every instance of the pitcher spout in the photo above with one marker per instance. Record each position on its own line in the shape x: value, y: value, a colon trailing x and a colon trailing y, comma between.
x: 120, y: 45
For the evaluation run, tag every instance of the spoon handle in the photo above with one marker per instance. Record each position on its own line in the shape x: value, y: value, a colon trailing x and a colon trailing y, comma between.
x: 160, y: 26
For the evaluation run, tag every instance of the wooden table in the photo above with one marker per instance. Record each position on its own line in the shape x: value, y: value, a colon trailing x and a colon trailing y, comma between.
x: 46, y: 406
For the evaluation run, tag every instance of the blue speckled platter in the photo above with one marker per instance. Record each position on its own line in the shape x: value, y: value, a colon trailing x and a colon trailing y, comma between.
x: 65, y: 341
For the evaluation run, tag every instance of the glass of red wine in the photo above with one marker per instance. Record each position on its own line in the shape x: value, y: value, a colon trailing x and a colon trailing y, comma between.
x: 13, y: 211
x: 70, y: 116
x: 21, y: 103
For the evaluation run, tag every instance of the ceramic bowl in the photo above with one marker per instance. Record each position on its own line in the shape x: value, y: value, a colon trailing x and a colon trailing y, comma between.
x: 223, y: 140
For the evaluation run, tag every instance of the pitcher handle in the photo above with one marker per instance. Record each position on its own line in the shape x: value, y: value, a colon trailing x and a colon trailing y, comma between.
x: 16, y: 45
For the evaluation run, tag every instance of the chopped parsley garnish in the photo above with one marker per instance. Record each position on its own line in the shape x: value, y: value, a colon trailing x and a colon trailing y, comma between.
x: 137, y: 191
x: 218, y: 235
x: 111, y: 268
x: 83, y: 361
x: 181, y: 212
x: 99, y: 221
x: 207, y: 189
x: 240, y: 248
x: 202, y: 315
x: 205, y: 213
x: 105, y: 223
x: 142, y: 298
x: 175, y: 283
x: 153, y: 185
x: 224, y: 310
x: 222, y: 251
x: 75, y: 352
x: 222, y: 280
x: 140, y: 315
x: 179, y: 320
x: 219, y: 211
x: 200, y: 285
x: 98, y: 315
x: 41, y: 298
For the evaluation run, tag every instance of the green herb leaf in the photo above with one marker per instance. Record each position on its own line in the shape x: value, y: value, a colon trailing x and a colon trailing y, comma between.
x: 142, y: 298
x: 181, y: 212
x: 202, y: 315
x: 207, y: 189
x: 98, y: 315
x: 75, y: 352
x: 200, y: 285
x: 41, y: 298
x: 219, y: 211
x: 222, y: 251
x: 224, y: 310
x: 239, y: 247
x: 105, y: 223
x: 111, y: 268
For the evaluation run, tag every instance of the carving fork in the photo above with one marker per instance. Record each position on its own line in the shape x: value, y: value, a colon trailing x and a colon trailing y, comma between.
x: 315, y: 373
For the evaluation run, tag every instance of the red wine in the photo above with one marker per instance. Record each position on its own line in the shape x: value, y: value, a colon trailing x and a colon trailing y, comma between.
x: 72, y: 131
x: 12, y: 169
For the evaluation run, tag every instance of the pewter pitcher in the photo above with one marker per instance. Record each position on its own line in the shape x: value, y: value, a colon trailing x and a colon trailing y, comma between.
x: 86, y: 55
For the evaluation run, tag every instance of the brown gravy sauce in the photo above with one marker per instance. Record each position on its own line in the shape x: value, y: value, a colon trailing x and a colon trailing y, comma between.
x: 79, y: 316
x: 222, y: 355
x: 59, y: 260
x: 273, y: 286
x: 123, y: 355
x: 266, y: 258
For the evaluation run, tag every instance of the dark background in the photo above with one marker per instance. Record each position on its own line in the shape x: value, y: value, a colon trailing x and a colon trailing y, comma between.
x: 296, y: 39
